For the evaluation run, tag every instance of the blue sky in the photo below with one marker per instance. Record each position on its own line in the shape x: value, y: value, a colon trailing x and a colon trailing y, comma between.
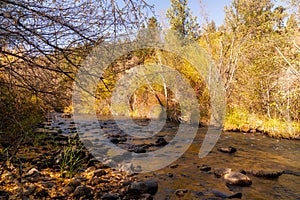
x: 214, y: 8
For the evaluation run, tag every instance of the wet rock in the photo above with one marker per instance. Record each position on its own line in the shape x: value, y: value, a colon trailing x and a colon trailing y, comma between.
x: 149, y: 186
x: 227, y: 149
x: 137, y: 188
x: 152, y: 186
x: 161, y: 142
x: 110, y: 196
x: 114, y: 140
x: 237, y: 178
x: 139, y: 150
x: 99, y: 172
x: 33, y: 175
x: 181, y: 192
x: 4, y: 194
x: 221, y: 171
x: 265, y: 174
x: 82, y: 191
x: 204, y: 167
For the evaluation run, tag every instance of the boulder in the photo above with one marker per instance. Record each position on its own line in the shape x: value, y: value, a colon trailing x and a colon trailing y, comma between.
x: 152, y: 186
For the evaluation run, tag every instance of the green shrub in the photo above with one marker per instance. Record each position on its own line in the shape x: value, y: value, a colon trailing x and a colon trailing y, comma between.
x: 72, y: 158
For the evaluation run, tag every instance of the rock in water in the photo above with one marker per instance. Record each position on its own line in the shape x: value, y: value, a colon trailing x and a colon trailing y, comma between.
x: 237, y: 178
x: 181, y: 192
x: 149, y: 186
x: 152, y: 186
x: 204, y: 167
x: 221, y: 171
x: 227, y: 149
x: 139, y: 150
x: 265, y: 174
x: 161, y: 142
x: 137, y: 188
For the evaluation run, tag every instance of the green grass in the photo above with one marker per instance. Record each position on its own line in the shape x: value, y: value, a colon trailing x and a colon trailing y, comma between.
x: 237, y: 119
x: 72, y: 159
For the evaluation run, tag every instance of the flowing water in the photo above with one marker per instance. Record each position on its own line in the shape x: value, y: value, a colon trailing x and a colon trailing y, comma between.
x: 254, y: 152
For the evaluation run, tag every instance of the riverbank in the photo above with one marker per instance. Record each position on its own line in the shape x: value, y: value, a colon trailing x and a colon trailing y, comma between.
x: 48, y: 164
x: 245, y: 122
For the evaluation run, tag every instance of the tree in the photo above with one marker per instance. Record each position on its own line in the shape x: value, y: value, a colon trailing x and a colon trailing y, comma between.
x: 42, y: 44
x: 181, y: 19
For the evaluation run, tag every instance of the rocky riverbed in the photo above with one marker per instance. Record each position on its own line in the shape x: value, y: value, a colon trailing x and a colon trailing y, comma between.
x: 244, y: 166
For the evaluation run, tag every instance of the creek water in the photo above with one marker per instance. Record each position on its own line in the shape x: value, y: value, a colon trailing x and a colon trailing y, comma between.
x: 254, y: 152
x: 183, y: 179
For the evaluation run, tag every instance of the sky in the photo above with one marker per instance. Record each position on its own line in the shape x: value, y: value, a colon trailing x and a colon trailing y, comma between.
x: 214, y: 8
